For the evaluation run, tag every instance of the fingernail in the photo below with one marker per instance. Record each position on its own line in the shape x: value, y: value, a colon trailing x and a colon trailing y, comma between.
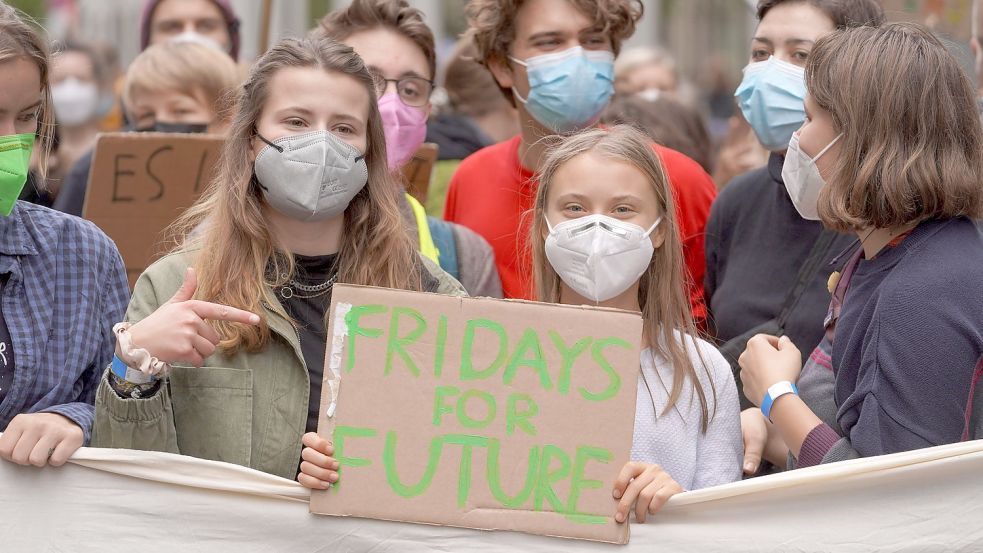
x: 619, y: 517
x: 254, y: 319
x: 333, y: 478
x: 748, y: 467
x: 325, y: 485
x: 617, y: 494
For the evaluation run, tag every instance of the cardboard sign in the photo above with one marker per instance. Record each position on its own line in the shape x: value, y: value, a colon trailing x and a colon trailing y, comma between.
x: 418, y: 173
x: 478, y: 413
x: 140, y: 183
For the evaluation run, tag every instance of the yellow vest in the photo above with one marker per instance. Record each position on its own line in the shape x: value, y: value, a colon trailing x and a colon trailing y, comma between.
x: 427, y: 247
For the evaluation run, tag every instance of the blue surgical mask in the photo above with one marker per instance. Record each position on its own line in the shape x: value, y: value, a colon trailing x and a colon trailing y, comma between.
x: 772, y: 97
x: 568, y: 89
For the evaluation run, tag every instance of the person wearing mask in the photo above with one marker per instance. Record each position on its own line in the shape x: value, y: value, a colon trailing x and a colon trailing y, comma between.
x: 398, y: 47
x: 249, y: 288
x: 767, y: 266
x: 77, y: 81
x: 891, y: 151
x: 62, y: 281
x: 554, y: 59
x: 182, y: 87
x: 211, y: 22
x: 687, y: 417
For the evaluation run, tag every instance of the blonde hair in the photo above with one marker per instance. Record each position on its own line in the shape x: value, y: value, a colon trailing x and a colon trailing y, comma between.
x: 244, y: 261
x: 189, y: 68
x: 661, y: 292
x: 912, y: 146
x: 19, y: 39
x: 643, y: 56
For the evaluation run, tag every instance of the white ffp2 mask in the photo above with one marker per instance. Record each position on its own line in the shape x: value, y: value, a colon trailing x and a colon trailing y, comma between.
x: 802, y: 178
x: 598, y: 256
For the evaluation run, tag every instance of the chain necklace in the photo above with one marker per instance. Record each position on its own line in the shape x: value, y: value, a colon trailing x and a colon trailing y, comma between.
x: 314, y: 291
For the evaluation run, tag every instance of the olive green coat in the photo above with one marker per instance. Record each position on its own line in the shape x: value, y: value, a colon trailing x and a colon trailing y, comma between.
x: 249, y: 409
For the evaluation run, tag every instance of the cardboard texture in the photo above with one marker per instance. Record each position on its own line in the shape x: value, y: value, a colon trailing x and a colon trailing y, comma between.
x: 140, y: 183
x: 418, y: 173
x: 478, y: 413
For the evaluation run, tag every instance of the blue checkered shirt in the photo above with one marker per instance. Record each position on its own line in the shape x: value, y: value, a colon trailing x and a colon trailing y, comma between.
x: 67, y: 288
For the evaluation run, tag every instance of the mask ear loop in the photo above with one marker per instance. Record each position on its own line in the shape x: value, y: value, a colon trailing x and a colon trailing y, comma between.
x: 268, y: 143
x: 826, y: 149
x: 652, y: 228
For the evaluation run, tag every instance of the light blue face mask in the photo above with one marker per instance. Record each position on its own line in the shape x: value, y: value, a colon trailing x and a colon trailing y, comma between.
x: 772, y: 97
x: 568, y: 89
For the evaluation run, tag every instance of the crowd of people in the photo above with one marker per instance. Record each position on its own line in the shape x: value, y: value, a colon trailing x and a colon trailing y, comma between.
x: 823, y: 306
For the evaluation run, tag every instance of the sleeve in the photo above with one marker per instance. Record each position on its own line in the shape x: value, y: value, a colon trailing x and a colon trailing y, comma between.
x: 917, y: 397
x: 113, y: 303
x: 721, y: 449
x: 143, y: 424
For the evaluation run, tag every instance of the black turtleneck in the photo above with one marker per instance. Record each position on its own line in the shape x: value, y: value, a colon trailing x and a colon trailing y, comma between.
x: 755, y: 243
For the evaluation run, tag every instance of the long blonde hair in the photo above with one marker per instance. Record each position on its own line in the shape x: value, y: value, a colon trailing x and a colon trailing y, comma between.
x: 241, y: 261
x: 661, y: 291
x: 19, y: 39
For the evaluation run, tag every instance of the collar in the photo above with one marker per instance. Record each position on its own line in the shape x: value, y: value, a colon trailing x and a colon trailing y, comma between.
x: 15, y: 239
x: 775, y: 164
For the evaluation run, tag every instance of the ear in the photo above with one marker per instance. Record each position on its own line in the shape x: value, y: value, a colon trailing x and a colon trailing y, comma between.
x: 502, y: 73
x: 658, y: 235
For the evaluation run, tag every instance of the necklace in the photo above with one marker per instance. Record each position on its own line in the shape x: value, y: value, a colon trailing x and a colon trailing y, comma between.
x: 314, y: 291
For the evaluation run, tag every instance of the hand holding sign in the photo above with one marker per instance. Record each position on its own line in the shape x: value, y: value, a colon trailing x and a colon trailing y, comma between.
x: 178, y: 332
x: 646, y: 486
x: 319, y: 469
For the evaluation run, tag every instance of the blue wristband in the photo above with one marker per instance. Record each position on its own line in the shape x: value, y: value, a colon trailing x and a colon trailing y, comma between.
x: 776, y: 391
x: 129, y: 374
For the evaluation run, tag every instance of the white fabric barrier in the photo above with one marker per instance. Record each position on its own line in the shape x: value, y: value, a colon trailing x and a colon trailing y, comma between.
x: 109, y: 500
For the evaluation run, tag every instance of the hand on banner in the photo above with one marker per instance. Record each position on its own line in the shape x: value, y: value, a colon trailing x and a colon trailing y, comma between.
x: 766, y: 361
x: 40, y: 439
x: 645, y: 486
x: 178, y: 332
x: 319, y: 469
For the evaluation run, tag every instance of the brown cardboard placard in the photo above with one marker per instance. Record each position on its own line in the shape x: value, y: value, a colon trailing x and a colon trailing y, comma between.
x: 478, y: 413
x: 141, y: 182
x: 418, y: 172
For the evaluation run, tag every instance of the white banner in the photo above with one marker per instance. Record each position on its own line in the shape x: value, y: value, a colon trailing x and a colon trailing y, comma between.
x: 108, y: 500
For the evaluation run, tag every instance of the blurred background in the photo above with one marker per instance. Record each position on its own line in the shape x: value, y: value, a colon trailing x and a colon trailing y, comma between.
x: 702, y: 47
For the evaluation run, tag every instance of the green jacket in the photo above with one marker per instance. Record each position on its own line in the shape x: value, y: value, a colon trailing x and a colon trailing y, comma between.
x: 249, y: 409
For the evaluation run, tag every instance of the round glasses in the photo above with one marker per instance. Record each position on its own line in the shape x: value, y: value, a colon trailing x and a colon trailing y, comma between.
x: 413, y: 91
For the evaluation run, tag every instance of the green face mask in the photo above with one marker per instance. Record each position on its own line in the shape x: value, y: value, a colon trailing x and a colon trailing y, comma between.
x: 15, y: 158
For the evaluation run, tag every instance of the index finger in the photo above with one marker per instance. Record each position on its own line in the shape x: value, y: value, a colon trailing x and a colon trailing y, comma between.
x: 218, y: 312
x: 628, y: 472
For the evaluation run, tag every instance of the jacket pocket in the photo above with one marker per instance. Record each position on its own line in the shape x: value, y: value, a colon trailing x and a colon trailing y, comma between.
x: 213, y: 412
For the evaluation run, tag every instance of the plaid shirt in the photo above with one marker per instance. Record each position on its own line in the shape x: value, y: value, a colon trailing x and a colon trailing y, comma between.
x: 67, y: 288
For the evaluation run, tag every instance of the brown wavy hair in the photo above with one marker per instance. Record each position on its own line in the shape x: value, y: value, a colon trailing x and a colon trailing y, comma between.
x: 241, y: 260
x: 662, y: 290
x: 843, y: 13
x: 492, y: 24
x: 912, y: 145
x: 18, y: 38
x: 364, y: 15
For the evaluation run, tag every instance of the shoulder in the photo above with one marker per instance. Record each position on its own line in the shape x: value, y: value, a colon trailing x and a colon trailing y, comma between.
x: 494, y: 158
x: 740, y: 193
x: 167, y: 273
x: 441, y: 282
x: 67, y: 233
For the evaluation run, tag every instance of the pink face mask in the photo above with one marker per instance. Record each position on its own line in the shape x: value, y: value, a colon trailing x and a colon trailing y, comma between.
x: 405, y: 126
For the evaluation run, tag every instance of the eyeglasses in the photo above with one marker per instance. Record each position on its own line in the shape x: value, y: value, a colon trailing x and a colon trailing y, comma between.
x: 413, y: 91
